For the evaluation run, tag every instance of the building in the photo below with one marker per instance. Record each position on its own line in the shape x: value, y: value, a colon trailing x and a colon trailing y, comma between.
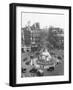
x: 31, y: 38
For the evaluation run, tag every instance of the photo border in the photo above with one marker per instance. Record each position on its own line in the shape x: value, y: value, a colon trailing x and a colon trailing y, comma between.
x: 12, y: 41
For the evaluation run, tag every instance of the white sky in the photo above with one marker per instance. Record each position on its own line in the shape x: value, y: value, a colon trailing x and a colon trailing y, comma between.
x: 43, y: 19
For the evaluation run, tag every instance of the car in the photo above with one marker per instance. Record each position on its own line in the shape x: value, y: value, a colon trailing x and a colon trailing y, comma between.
x: 40, y: 72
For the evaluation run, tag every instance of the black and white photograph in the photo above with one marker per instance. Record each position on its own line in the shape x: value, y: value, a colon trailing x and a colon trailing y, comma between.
x: 40, y: 44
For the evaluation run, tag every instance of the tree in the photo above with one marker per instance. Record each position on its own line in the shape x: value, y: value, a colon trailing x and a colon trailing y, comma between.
x: 53, y: 37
